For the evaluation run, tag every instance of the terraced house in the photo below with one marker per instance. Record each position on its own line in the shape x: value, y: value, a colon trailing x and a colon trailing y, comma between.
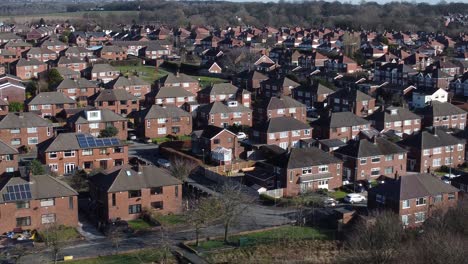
x: 8, y: 159
x: 69, y: 152
x: 224, y: 114
x: 398, y: 119
x: 160, y: 121
x: 285, y: 132
x: 344, y: 126
x: 24, y: 130
x: 78, y: 89
x: 93, y: 121
x: 118, y: 101
x: 132, y: 84
x: 445, y: 115
x: 49, y: 104
x: 281, y: 106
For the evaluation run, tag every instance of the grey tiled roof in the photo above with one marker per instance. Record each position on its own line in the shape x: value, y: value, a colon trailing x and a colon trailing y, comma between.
x: 181, y: 78
x: 113, y: 95
x: 340, y: 119
x: 171, y: 92
x: 156, y: 111
x: 28, y: 62
x: 127, y: 82
x: 64, y: 141
x: 7, y: 149
x: 23, y: 120
x: 282, y: 102
x: 352, y: 95
x: 367, y: 148
x: 79, y: 83
x: 437, y: 108
x: 106, y: 116
x: 220, y: 88
x: 386, y: 116
x: 281, y: 124
x: 103, y: 68
x: 303, y: 157
x: 425, y: 139
x: 219, y: 107
x: 51, y: 98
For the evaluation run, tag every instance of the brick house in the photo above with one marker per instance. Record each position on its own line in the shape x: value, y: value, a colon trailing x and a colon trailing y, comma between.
x: 72, y: 63
x: 170, y: 96
x: 77, y: 52
x: 445, y: 115
x: 103, y: 73
x: 49, y: 104
x: 67, y: 73
x: 315, y: 95
x: 352, y: 100
x: 7, y: 56
x: 123, y: 192
x: 18, y: 47
x: 27, y: 69
x: 250, y: 80
x: 285, y: 132
x: 12, y: 89
x: 180, y: 80
x: 54, y: 44
x: 92, y: 121
x: 369, y: 159
x: 217, y: 93
x: 398, y: 119
x: 277, y: 86
x: 68, y: 152
x: 78, y: 89
x: 212, y: 139
x: 132, y: 84
x: 157, y: 121
x: 118, y: 101
x: 24, y: 129
x: 35, y: 202
x: 341, y: 64
x: 341, y: 125
x: 112, y: 53
x: 278, y: 107
x: 224, y: 114
x: 306, y: 169
x: 430, y: 149
x: 41, y: 54
x: 8, y: 159
x: 413, y: 197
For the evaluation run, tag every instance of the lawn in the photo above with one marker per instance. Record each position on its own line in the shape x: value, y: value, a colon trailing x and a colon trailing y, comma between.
x: 171, y: 220
x: 65, y: 233
x: 147, y: 73
x: 139, y: 224
x: 338, y: 194
x: 205, y: 81
x: 142, y: 256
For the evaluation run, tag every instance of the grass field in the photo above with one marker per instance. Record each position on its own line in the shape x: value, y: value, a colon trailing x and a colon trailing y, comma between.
x: 171, y: 220
x: 139, y: 224
x: 147, y: 73
x: 66, y: 15
x: 142, y: 256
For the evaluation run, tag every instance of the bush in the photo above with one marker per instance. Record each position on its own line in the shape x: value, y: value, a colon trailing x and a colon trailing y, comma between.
x: 160, y: 140
x: 443, y: 168
x: 109, y: 132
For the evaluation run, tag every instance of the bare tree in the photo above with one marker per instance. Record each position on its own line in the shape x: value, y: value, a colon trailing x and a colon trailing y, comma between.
x: 201, y: 213
x: 53, y: 239
x: 232, y: 203
x: 115, y: 236
x: 182, y: 168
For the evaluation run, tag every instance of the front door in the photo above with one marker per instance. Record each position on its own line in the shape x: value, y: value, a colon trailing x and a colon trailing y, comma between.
x: 69, y: 168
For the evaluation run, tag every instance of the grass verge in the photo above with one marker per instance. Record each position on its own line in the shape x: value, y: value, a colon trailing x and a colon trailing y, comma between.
x: 139, y: 224
x: 141, y: 256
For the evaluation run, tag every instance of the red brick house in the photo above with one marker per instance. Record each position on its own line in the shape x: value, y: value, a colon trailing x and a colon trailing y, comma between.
x: 213, y: 141
x: 68, y: 152
x: 12, y: 89
x: 24, y: 129
x: 157, y: 121
x: 132, y: 84
x: 429, y: 150
x: 78, y: 89
x: 277, y: 86
x: 224, y: 114
x: 250, y: 80
x: 7, y: 56
x: 369, y: 159
x: 49, y: 104
x: 77, y: 52
x: 344, y: 126
x: 41, y: 54
x: 118, y: 101
x: 124, y: 192
x: 92, y: 121
x: 285, y: 132
x: 217, y: 93
x: 103, y: 73
x: 72, y: 63
x: 341, y: 64
x: 315, y: 95
x: 445, y: 115
x: 170, y: 96
x: 413, y: 197
x: 54, y: 44
x: 18, y: 47
x: 27, y: 69
x: 35, y: 202
x: 180, y: 80
x: 352, y: 100
x: 112, y: 53
x: 398, y: 119
x: 278, y: 107
x: 8, y: 159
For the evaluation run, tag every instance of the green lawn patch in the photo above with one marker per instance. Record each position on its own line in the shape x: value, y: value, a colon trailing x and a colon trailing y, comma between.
x: 160, y: 140
x: 184, y: 138
x: 171, y: 220
x: 65, y: 233
x: 142, y: 256
x: 139, y: 224
x: 338, y: 194
x: 147, y: 73
x: 205, y: 81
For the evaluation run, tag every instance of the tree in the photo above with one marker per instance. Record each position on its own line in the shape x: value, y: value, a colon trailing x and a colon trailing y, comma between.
x: 182, y: 168
x: 53, y: 239
x: 79, y: 181
x: 54, y: 79
x: 37, y: 168
x: 16, y: 107
x: 109, y: 131
x: 232, y: 203
x: 201, y: 213
x: 42, y: 21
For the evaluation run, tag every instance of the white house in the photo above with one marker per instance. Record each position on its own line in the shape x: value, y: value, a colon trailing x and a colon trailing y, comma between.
x: 421, y: 98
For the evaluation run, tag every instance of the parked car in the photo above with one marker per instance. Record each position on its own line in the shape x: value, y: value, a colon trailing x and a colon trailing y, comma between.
x: 132, y: 136
x: 451, y: 175
x: 354, y: 198
x: 241, y: 136
x: 329, y: 202
x: 164, y: 163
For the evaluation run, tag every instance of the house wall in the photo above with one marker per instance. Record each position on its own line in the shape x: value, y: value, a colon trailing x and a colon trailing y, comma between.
x: 42, y: 134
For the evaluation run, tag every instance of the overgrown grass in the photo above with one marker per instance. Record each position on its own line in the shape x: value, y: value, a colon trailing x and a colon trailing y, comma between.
x: 142, y: 256
x: 171, y: 220
x: 139, y: 224
x: 65, y: 233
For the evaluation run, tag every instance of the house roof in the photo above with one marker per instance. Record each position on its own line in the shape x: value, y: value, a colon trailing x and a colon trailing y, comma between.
x: 340, y: 119
x: 50, y: 98
x: 281, y: 124
x: 41, y: 186
x: 367, y: 148
x: 28, y: 62
x: 173, y: 91
x: 106, y: 116
x: 156, y: 111
x: 221, y: 107
x: 280, y: 102
x: 211, y: 131
x: 437, y: 108
x: 103, y: 68
x: 179, y: 78
x: 353, y: 95
x: 425, y: 139
x: 78, y: 83
x: 392, y: 114
x: 412, y: 186
x: 107, y: 95
x: 67, y: 141
x: 303, y: 157
x: 6, y: 149
x: 220, y: 88
x: 123, y: 81
x: 22, y: 120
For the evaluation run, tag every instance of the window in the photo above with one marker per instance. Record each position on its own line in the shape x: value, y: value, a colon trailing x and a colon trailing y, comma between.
x: 388, y: 157
x: 33, y: 107
x: 47, y: 106
x: 419, y: 217
x: 355, y: 128
x: 157, y: 205
x: 291, y: 175
x: 283, y: 134
x: 388, y: 170
x: 344, y: 129
x: 421, y: 201
x: 375, y: 171
x: 87, y: 152
x: 94, y: 125
x: 437, y: 151
x: 323, y: 168
x: 437, y: 198
x: 459, y: 147
x: 15, y: 131
x: 216, y: 141
x: 32, y: 130
x: 47, y: 202
x: 23, y: 221
x: 9, y: 169
x: 134, y: 208
x: 148, y: 123
x: 363, y: 161
x: 436, y: 162
x: 134, y: 194
x: 70, y: 202
x: 176, y: 190
x: 307, y: 170
x: 52, y: 155
x: 451, y: 196
x: 161, y: 120
x: 405, y: 204
x: 375, y: 159
x: 103, y: 151
x: 156, y: 190
x: 53, y: 167
x: 22, y: 205
x: 407, y: 122
x: 114, y: 200
x: 224, y: 116
x: 292, y: 110
x: 401, y: 156
x: 48, y: 218
x: 33, y: 140
x: 69, y: 153
x: 397, y: 123
x: 405, y: 220
x: 280, y: 111
x: 162, y: 130
x: 307, y: 132
x: 448, y: 161
x: 426, y: 152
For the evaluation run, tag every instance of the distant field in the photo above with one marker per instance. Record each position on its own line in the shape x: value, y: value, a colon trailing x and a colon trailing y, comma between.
x: 65, y: 15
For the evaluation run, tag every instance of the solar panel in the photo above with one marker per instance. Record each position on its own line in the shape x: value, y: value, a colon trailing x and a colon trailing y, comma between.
x: 17, y: 192
x: 92, y: 142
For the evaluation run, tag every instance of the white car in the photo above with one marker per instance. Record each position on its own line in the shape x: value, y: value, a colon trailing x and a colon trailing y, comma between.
x: 354, y: 198
x: 451, y: 176
x: 241, y: 136
x: 164, y: 163
x: 329, y: 202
